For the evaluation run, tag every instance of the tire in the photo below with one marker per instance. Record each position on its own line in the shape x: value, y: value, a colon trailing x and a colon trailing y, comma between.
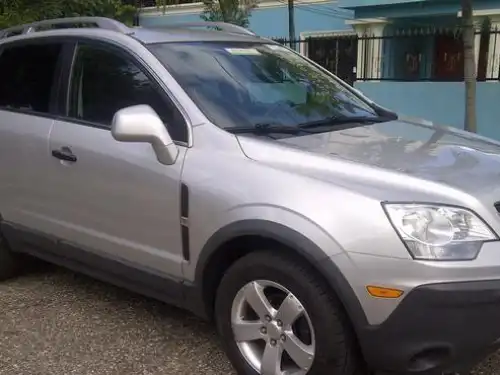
x: 335, y: 347
x: 9, y: 262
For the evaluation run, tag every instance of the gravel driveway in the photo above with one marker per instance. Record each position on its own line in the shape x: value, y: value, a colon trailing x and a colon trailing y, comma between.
x: 54, y: 322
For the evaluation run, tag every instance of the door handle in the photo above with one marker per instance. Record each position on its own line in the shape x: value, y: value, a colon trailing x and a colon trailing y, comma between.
x: 64, y: 154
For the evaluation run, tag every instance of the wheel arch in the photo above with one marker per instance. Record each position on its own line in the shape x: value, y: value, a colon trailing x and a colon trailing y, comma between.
x: 235, y: 240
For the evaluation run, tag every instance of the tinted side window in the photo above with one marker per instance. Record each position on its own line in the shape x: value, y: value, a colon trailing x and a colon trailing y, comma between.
x: 105, y: 81
x: 27, y: 76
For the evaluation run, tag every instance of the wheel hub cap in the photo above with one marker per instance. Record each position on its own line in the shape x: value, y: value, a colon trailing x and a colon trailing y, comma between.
x: 264, y: 320
x: 273, y: 331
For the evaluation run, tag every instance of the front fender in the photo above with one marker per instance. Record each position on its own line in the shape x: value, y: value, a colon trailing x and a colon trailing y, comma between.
x: 261, y: 220
x: 297, y: 242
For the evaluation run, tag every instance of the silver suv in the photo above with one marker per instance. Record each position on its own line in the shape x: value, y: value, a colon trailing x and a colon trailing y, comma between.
x: 226, y: 174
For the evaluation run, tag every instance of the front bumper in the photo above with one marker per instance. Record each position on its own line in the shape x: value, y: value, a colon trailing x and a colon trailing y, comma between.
x: 436, y: 328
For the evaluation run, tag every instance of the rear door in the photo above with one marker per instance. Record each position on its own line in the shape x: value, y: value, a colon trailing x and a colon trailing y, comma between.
x: 28, y: 77
x: 115, y: 199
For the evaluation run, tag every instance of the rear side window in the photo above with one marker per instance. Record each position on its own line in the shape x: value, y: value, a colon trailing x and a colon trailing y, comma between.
x: 27, y: 76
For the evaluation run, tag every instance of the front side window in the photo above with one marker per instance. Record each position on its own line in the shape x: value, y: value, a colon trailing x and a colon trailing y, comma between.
x: 27, y: 76
x: 250, y: 84
x: 105, y: 81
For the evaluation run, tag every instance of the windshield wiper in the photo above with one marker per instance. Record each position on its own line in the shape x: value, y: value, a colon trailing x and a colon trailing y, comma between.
x: 267, y: 128
x: 341, y: 120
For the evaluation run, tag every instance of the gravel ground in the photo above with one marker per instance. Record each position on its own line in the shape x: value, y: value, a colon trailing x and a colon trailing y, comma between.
x: 54, y: 322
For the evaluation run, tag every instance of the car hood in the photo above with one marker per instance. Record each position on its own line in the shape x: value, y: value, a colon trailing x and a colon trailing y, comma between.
x: 443, y: 155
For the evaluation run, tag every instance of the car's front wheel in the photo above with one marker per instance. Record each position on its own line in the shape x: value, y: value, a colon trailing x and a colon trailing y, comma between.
x: 277, y: 317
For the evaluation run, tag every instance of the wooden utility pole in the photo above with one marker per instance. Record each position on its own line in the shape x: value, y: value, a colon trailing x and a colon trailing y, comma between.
x: 469, y: 66
x: 291, y: 23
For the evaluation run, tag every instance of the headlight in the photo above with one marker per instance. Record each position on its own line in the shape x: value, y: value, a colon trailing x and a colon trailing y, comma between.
x: 437, y: 232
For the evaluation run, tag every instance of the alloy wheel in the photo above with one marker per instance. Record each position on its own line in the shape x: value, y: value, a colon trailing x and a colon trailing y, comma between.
x: 272, y: 329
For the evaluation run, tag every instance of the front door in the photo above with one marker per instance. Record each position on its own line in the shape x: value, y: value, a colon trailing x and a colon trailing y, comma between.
x: 115, y: 198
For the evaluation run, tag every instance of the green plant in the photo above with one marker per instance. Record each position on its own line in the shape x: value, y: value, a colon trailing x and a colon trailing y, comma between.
x: 15, y: 12
x: 232, y: 11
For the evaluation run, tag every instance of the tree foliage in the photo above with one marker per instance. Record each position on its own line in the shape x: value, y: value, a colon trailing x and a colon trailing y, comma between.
x: 237, y: 12
x: 15, y: 12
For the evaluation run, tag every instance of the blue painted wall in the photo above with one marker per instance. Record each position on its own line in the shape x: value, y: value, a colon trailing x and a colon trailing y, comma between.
x: 441, y: 102
x: 155, y: 21
x: 273, y: 22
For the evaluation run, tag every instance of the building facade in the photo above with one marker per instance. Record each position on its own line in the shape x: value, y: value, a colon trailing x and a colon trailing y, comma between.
x: 269, y: 19
x: 410, y: 58
x: 405, y: 54
x: 322, y: 30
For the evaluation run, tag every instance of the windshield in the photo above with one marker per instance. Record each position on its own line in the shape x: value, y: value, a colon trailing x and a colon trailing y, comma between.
x: 241, y: 85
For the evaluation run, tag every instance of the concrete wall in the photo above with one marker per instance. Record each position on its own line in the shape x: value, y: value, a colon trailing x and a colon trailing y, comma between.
x: 441, y: 102
x: 272, y: 20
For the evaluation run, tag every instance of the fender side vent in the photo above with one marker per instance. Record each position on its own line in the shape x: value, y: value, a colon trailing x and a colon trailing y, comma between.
x: 184, y: 221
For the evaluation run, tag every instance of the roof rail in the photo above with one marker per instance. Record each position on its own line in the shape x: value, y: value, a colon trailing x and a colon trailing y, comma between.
x: 222, y: 26
x: 99, y: 22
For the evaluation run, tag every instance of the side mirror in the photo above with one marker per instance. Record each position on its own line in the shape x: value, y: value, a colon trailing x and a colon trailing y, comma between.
x: 140, y: 123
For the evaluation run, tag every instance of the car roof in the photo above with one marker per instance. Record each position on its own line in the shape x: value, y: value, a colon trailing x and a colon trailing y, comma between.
x: 171, y: 34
